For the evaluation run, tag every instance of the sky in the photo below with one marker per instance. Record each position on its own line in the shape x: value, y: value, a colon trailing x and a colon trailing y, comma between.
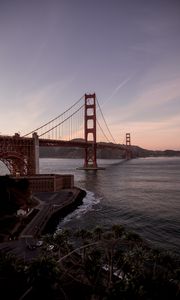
x: 126, y: 51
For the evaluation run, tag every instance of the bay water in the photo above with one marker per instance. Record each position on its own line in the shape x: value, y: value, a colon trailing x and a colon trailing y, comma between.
x: 142, y: 194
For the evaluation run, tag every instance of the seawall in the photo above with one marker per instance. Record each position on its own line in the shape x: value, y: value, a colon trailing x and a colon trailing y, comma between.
x: 52, y: 207
x: 55, y: 218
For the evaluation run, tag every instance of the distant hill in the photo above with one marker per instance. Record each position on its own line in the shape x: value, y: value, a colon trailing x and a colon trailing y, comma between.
x: 106, y: 153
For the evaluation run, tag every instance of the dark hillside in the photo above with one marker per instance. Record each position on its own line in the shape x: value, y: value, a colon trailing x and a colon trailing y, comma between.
x: 107, y: 153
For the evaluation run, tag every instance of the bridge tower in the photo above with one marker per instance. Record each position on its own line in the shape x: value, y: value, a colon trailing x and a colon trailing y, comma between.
x: 35, y: 159
x: 128, y: 146
x: 90, y: 160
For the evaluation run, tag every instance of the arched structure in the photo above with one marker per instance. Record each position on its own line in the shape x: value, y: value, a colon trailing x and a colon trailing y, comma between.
x: 15, y: 162
x: 20, y: 155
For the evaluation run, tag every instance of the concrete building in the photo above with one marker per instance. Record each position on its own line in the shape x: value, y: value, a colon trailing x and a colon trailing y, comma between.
x: 49, y: 182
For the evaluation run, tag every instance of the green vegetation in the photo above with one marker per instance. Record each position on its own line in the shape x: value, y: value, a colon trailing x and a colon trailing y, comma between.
x: 97, y: 264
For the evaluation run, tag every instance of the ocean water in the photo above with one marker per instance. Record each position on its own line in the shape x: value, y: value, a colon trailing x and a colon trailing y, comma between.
x: 142, y: 194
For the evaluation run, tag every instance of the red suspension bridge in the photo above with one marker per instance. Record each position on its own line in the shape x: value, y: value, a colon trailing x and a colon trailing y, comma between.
x: 78, y: 126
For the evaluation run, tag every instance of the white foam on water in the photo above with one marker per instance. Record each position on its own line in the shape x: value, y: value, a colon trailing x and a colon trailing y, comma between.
x: 89, y: 201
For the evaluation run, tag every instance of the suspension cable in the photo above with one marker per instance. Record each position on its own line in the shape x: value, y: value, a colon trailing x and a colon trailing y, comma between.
x: 105, y: 121
x: 62, y: 121
x: 54, y: 118
x: 102, y: 131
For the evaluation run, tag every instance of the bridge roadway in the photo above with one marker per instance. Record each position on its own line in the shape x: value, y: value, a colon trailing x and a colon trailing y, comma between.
x: 9, y: 142
x: 21, y: 154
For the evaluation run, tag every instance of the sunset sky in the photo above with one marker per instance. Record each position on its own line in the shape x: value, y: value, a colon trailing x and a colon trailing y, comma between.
x: 126, y: 51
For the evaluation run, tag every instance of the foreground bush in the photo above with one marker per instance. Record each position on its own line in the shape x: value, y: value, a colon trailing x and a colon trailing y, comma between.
x: 97, y: 264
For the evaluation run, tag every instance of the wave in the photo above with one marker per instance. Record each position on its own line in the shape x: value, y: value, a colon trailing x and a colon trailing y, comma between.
x: 88, y: 204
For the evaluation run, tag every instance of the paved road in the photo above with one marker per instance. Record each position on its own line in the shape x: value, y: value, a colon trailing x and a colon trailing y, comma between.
x: 49, y: 203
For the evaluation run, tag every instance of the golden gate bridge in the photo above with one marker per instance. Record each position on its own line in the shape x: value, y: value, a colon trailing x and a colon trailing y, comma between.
x: 79, y: 126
